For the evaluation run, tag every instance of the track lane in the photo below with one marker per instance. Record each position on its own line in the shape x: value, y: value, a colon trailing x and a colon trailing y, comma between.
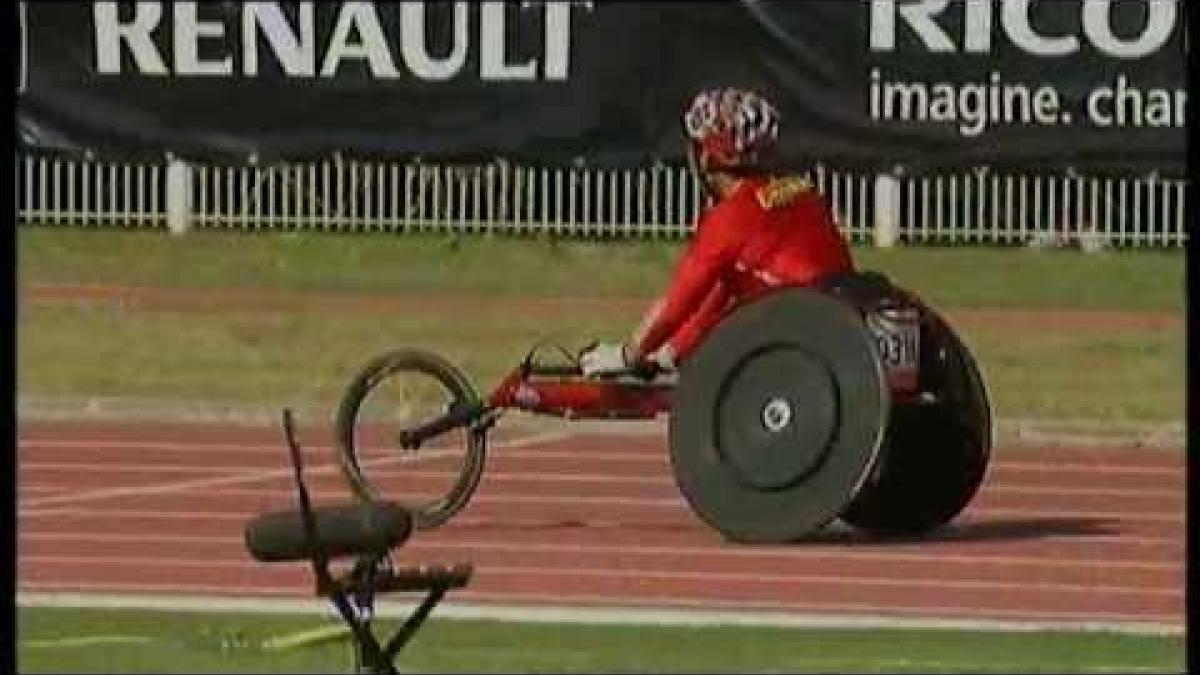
x: 1054, y: 532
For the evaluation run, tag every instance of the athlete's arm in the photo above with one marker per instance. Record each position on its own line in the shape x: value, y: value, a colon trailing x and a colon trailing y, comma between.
x: 696, y: 275
x: 707, y: 316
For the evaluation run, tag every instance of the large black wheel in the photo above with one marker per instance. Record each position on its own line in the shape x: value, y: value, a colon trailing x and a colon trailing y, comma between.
x: 778, y: 417
x: 396, y: 393
x: 936, y: 454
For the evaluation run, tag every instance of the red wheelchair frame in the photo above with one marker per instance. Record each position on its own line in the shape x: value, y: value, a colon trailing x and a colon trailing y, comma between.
x: 564, y: 391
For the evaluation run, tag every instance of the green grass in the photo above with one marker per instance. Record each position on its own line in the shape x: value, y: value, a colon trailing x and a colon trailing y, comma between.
x: 1119, y: 375
x: 256, y: 357
x: 305, y: 358
x: 951, y: 277
x: 305, y: 355
x: 213, y: 643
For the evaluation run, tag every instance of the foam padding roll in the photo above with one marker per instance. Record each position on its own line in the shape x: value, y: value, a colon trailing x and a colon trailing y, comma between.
x: 344, y: 530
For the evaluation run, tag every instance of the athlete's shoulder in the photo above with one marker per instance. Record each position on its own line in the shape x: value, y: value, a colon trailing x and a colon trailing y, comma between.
x: 725, y: 225
x: 784, y: 191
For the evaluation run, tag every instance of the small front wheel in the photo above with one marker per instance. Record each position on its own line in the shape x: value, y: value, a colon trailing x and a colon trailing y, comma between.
x: 394, y: 394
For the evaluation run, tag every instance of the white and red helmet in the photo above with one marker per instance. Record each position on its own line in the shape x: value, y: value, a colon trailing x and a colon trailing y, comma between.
x: 731, y: 127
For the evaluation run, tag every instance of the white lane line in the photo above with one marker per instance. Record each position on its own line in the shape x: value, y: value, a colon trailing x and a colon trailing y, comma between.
x: 1089, y: 468
x: 242, y: 446
x: 155, y: 448
x: 87, y: 641
x: 164, y: 445
x: 755, y: 553
x: 144, y: 562
x: 1150, y: 493
x: 490, y: 496
x: 241, y: 478
x: 558, y: 477
x: 467, y: 521
x: 674, y: 505
x: 215, y: 489
x: 42, y: 488
x: 130, y: 468
x: 599, y: 609
x: 1080, y: 515
x: 581, y: 452
x: 182, y: 486
x: 134, y: 514
x: 143, y: 448
x: 865, y: 607
x: 108, y: 445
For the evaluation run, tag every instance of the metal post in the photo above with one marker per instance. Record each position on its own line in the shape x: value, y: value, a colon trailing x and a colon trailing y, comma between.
x: 887, y: 210
x: 179, y: 195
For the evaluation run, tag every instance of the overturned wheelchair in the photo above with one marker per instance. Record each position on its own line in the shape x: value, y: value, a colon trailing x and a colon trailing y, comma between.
x: 366, y: 532
x: 853, y: 400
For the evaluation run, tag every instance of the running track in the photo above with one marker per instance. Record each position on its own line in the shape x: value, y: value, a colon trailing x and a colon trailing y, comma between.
x: 594, y: 520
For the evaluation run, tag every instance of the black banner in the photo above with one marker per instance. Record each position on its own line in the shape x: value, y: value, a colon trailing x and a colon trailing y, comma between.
x: 1095, y: 85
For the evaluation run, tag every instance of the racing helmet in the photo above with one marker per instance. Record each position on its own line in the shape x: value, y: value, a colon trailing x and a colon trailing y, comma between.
x: 729, y: 129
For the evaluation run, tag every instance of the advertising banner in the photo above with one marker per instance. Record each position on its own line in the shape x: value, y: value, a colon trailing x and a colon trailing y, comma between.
x: 1094, y: 85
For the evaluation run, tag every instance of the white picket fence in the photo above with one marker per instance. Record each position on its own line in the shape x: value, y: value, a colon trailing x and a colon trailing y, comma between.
x: 347, y: 195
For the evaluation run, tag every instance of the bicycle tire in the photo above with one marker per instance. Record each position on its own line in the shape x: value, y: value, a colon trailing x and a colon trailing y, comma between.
x: 435, y: 512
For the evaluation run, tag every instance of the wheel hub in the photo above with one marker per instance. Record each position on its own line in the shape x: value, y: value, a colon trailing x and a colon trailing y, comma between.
x: 776, y: 415
x: 776, y: 418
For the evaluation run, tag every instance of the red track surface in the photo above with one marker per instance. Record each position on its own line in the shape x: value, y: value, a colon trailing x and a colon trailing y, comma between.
x: 1055, y: 534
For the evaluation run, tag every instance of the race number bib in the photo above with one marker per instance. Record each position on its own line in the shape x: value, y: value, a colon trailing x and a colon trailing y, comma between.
x: 897, y: 333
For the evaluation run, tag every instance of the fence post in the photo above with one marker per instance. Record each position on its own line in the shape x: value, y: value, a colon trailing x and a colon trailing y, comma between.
x: 887, y: 210
x: 179, y: 195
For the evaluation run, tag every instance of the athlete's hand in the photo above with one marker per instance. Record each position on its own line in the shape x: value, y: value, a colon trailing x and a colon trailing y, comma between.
x: 652, y: 365
x: 604, y: 358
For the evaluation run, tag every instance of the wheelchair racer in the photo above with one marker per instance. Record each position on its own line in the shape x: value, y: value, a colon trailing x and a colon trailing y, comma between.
x: 761, y: 232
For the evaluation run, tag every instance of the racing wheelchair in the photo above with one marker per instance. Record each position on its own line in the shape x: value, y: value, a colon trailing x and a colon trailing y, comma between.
x: 853, y: 399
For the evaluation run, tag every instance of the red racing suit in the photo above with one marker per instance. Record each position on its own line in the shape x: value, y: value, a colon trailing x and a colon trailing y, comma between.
x: 767, y: 233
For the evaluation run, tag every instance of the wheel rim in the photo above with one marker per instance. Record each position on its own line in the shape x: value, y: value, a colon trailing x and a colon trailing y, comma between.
x: 778, y: 417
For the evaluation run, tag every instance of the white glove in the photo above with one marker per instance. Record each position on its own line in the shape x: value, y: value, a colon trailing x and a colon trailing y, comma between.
x: 604, y: 359
x: 664, y: 357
